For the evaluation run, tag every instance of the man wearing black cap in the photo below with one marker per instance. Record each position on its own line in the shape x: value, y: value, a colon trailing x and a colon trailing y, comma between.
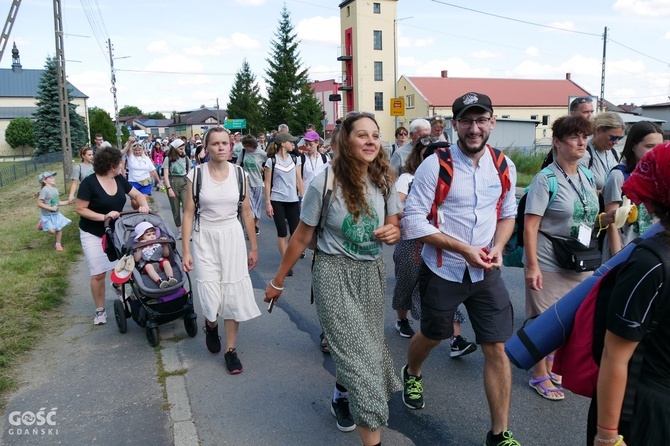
x: 463, y: 255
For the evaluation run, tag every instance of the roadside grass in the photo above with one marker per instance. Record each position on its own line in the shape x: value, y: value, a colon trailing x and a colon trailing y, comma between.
x: 34, y: 276
x: 527, y: 165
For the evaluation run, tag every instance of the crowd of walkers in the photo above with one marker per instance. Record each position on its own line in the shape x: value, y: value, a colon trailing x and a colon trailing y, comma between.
x: 349, y: 198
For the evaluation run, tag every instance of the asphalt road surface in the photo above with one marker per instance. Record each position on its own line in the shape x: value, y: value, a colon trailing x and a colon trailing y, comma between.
x: 102, y: 387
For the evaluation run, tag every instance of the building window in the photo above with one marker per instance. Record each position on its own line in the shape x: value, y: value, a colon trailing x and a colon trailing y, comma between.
x: 533, y: 117
x: 377, y: 39
x: 379, y: 71
x: 348, y: 12
x: 409, y: 101
x: 379, y: 100
x: 377, y: 8
x: 545, y: 119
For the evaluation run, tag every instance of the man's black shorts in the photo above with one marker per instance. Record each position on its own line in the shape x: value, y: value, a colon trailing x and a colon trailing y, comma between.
x: 488, y: 304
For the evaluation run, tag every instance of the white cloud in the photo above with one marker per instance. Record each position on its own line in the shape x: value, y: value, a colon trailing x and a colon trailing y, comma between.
x: 324, y: 72
x: 568, y: 26
x: 667, y: 35
x: 486, y: 55
x: 250, y: 2
x: 532, y: 51
x: 319, y: 29
x: 158, y: 47
x: 175, y: 63
x: 222, y: 45
x: 407, y: 42
x: 457, y: 68
x: 645, y: 8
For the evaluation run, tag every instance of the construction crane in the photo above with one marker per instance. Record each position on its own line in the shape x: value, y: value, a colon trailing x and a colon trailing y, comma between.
x: 7, y: 30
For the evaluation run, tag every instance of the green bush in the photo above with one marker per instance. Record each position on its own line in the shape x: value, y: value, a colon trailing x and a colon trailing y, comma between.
x: 527, y: 164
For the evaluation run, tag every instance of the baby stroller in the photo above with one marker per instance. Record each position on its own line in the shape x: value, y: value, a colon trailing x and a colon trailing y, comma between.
x: 143, y: 300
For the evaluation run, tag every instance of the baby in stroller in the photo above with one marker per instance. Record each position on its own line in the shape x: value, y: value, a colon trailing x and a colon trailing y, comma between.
x: 158, y: 253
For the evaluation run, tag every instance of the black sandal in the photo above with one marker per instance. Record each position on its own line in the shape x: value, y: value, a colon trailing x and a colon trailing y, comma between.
x: 324, y: 344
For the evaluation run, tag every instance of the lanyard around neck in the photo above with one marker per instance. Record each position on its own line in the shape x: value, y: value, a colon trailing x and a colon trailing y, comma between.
x: 582, y: 195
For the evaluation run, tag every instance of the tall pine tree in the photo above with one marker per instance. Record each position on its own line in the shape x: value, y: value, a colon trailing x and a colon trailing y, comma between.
x: 245, y: 100
x: 47, y: 116
x: 290, y: 98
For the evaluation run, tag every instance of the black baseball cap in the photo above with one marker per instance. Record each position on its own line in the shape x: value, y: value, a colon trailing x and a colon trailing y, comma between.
x: 471, y: 100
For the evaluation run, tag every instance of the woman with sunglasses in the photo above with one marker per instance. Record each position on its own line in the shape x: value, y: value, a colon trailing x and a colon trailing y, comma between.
x: 401, y: 137
x: 642, y: 137
x: 600, y: 155
x: 349, y: 276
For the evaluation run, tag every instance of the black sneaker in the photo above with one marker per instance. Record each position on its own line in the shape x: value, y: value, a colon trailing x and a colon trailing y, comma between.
x: 258, y: 230
x: 506, y: 439
x: 290, y: 273
x: 212, y: 338
x: 403, y: 328
x: 412, y: 394
x: 340, y: 408
x: 303, y: 255
x: 461, y: 346
x: 233, y: 364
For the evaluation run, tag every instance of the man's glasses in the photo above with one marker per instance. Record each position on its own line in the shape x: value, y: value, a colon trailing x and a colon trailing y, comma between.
x: 428, y: 140
x: 583, y: 100
x: 614, y: 138
x: 401, y: 133
x: 353, y: 114
x: 467, y: 123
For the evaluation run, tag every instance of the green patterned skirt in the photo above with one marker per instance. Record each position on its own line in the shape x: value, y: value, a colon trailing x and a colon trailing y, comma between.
x: 349, y: 296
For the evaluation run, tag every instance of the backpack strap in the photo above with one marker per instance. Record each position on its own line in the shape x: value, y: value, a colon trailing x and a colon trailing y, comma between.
x: 273, y: 158
x: 500, y: 161
x: 615, y: 154
x: 552, y: 184
x: 623, y: 169
x: 326, y: 200
x: 588, y: 174
x: 197, y: 185
x: 591, y: 156
x: 242, y: 188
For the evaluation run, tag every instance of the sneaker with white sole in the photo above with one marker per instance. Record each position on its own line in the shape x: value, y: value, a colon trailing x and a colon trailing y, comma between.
x: 402, y: 325
x: 412, y: 395
x: 461, y: 347
x: 340, y: 409
x: 100, y: 317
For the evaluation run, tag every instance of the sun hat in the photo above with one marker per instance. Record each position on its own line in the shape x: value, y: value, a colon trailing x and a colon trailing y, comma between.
x: 142, y: 227
x: 41, y: 177
x: 283, y: 137
x: 122, y: 277
x: 311, y: 136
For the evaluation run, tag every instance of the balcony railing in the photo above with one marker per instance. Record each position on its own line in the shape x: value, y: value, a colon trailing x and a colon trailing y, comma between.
x: 344, y: 52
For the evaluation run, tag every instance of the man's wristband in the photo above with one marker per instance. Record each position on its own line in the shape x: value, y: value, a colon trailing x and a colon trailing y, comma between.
x: 169, y: 187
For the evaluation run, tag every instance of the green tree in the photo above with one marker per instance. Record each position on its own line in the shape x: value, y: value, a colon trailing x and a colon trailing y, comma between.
x: 102, y: 123
x: 130, y: 110
x: 245, y: 100
x: 20, y: 133
x: 155, y: 115
x: 47, y: 116
x: 290, y: 97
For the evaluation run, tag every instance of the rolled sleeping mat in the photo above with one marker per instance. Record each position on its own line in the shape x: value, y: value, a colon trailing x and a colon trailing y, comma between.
x: 551, y: 329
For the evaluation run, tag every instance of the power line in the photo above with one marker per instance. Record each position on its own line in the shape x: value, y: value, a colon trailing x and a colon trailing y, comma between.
x: 639, y: 52
x: 177, y: 72
x: 516, y: 20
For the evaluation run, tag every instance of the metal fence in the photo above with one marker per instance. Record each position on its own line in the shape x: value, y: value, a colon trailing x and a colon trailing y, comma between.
x: 17, y: 170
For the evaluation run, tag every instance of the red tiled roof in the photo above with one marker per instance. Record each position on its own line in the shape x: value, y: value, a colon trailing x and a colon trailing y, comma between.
x: 441, y: 92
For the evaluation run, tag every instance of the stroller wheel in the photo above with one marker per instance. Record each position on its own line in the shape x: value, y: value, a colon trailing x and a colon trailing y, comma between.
x: 120, y: 316
x: 152, y: 336
x: 191, y: 324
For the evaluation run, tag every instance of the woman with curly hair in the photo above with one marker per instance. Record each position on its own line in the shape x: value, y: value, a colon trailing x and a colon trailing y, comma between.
x: 349, y: 275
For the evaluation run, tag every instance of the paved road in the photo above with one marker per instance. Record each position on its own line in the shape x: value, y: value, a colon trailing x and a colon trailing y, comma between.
x: 104, y: 389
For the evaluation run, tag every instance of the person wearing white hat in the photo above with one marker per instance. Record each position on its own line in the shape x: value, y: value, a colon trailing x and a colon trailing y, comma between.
x: 175, y: 168
x: 157, y: 253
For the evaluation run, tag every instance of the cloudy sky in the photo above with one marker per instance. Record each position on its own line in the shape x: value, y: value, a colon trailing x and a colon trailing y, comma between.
x: 176, y: 55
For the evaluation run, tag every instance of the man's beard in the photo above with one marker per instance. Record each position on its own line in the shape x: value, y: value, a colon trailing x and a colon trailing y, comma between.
x: 472, y: 150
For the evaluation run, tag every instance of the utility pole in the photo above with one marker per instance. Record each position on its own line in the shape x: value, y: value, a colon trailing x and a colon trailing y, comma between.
x: 113, y: 90
x: 7, y: 30
x: 218, y: 123
x: 602, y: 77
x: 63, y: 101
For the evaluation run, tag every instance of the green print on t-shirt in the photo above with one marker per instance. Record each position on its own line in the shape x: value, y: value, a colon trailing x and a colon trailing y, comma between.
x: 358, y: 234
x: 644, y: 220
x: 579, y: 216
x: 250, y: 164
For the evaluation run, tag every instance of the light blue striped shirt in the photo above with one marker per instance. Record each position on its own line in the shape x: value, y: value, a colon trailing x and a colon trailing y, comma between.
x: 468, y: 214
